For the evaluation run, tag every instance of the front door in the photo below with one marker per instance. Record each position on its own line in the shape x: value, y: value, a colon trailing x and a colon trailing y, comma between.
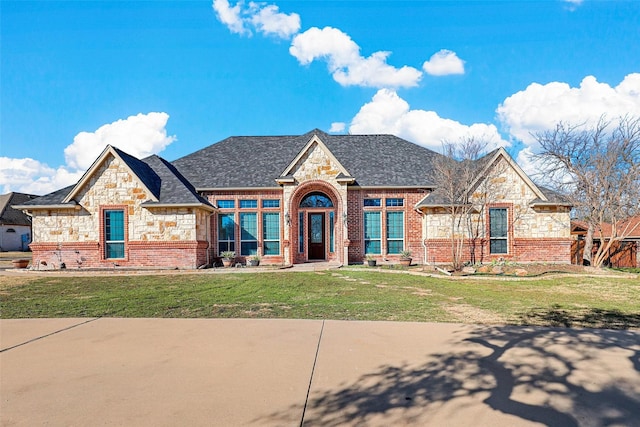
x: 316, y: 236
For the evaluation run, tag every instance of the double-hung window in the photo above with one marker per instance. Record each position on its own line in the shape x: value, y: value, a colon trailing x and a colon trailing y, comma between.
x: 226, y: 233
x: 498, y: 231
x: 372, y: 233
x: 114, y: 233
x: 395, y: 232
x: 248, y: 233
x: 271, y: 233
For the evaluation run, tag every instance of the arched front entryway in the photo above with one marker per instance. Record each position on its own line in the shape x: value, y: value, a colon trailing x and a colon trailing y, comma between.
x: 315, y: 234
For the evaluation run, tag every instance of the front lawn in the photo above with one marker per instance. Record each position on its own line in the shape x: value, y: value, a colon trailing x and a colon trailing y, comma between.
x: 589, y: 301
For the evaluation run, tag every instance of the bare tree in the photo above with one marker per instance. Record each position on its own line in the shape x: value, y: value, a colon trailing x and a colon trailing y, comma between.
x: 457, y: 171
x: 598, y: 169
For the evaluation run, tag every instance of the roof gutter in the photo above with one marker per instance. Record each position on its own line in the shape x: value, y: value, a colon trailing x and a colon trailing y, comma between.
x: 208, y: 189
x: 393, y: 187
x: 152, y: 205
x: 42, y: 207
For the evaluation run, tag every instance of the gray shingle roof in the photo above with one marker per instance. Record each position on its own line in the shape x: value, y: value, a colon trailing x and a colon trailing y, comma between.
x: 159, y: 176
x: 54, y: 198
x: 256, y: 161
x: 552, y: 196
x: 11, y: 216
x: 143, y: 171
x: 174, y: 188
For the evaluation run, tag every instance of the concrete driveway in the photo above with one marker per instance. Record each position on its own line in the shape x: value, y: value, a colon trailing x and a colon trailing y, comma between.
x: 155, y: 372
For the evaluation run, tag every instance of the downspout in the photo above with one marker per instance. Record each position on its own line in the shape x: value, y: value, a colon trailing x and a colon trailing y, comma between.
x: 424, y: 236
x: 208, y: 241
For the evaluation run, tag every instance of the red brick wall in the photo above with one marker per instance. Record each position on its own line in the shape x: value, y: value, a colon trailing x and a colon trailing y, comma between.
x: 412, y: 222
x: 258, y: 195
x: 520, y: 250
x: 184, y: 255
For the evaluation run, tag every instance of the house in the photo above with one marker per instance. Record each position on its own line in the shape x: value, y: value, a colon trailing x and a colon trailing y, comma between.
x: 15, y: 225
x: 288, y: 199
x: 622, y: 253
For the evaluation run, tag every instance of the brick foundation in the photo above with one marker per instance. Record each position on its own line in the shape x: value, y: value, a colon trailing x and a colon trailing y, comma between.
x: 75, y: 255
x: 556, y: 251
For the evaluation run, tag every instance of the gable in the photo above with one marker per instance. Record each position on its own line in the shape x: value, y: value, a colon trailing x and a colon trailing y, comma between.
x: 315, y: 161
x: 112, y: 182
x: 503, y: 174
x: 149, y: 180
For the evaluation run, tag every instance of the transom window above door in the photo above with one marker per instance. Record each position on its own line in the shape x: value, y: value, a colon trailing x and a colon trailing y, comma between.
x: 316, y: 200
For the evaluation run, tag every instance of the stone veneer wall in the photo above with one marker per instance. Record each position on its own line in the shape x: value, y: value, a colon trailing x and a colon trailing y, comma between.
x: 162, y: 237
x: 535, y: 235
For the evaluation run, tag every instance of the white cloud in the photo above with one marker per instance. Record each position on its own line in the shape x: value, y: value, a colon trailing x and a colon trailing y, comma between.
x: 266, y: 19
x: 573, y: 4
x: 140, y: 136
x: 388, y: 113
x: 346, y: 64
x: 230, y: 16
x: 541, y: 107
x: 31, y: 176
x: 337, y: 127
x: 443, y: 63
x: 342, y: 54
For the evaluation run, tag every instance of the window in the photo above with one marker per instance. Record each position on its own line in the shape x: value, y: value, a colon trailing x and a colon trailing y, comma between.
x: 11, y: 230
x: 395, y: 232
x: 316, y: 200
x: 271, y: 233
x: 248, y: 234
x: 372, y: 233
x: 114, y: 234
x: 498, y: 231
x: 226, y: 233
x: 271, y: 203
x: 372, y: 202
x: 248, y: 204
x: 393, y: 202
x: 331, y: 231
x: 226, y: 204
x: 301, y: 232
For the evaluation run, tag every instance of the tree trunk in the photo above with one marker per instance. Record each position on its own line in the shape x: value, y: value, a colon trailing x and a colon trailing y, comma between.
x: 588, y: 246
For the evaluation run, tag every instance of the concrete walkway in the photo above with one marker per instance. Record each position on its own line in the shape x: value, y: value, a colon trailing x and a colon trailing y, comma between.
x: 215, y: 372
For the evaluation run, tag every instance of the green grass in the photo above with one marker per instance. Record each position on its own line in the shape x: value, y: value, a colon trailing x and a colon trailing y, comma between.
x: 351, y: 295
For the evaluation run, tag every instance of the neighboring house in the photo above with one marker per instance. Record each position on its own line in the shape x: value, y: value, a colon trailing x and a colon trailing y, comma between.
x: 288, y: 199
x: 15, y: 225
x: 623, y: 253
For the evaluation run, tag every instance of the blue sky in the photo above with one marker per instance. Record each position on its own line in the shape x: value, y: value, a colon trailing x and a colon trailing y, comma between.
x: 171, y: 77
